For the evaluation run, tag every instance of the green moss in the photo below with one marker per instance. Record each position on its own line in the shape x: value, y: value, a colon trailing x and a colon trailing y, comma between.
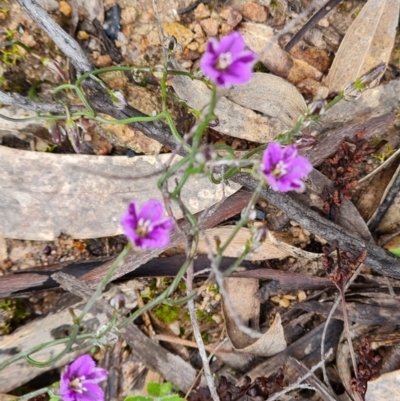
x: 167, y: 314
x: 260, y: 67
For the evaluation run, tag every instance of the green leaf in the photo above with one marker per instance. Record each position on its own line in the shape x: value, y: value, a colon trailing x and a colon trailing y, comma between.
x: 395, y: 251
x: 159, y: 390
x: 138, y: 398
x: 174, y: 397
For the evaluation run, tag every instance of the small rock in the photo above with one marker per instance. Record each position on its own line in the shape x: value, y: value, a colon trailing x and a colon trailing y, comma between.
x: 210, y: 26
x: 104, y: 61
x: 254, y: 12
x: 193, y: 46
x: 324, y: 22
x: 198, y: 33
x: 188, y: 54
x: 201, y: 12
x: 217, y: 318
x: 301, y: 296
x: 225, y: 29
x: 182, y: 34
x: 82, y: 35
x: 128, y: 16
x: 284, y: 303
x: 232, y: 16
x: 175, y: 328
x: 275, y: 299
x: 65, y: 8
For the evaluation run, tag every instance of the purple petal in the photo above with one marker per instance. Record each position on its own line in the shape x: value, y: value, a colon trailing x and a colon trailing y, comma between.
x: 82, y: 366
x: 151, y: 210
x: 272, y: 155
x: 129, y: 225
x: 93, y: 393
x: 97, y: 375
x: 232, y: 43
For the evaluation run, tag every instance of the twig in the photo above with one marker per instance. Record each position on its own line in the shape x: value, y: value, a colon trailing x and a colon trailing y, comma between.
x: 197, y: 336
x: 297, y: 383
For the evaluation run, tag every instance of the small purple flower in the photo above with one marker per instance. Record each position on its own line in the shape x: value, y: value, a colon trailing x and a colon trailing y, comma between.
x: 79, y: 381
x: 146, y: 227
x: 283, y: 168
x: 227, y: 62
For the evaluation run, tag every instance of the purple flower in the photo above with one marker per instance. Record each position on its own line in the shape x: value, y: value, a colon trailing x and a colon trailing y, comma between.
x: 227, y: 62
x: 146, y: 227
x: 79, y: 381
x: 283, y: 168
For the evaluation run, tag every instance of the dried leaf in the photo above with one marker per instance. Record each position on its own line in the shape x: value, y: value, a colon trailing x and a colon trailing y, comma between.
x: 44, y: 194
x: 368, y: 42
x: 272, y: 96
x: 234, y: 120
x: 279, y: 101
x: 243, y: 296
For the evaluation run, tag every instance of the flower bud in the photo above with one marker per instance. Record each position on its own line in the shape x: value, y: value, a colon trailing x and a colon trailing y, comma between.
x: 118, y: 301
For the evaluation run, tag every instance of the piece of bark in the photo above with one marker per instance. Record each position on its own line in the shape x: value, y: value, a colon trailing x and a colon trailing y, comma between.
x: 84, y: 196
x: 173, y: 368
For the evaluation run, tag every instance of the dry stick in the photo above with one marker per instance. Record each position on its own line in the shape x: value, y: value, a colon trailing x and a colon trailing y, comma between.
x: 329, y: 318
x: 197, y: 335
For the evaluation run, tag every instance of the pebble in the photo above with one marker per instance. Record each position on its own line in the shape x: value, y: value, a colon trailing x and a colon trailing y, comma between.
x: 254, y: 12
x: 201, y: 12
x: 232, y: 16
x: 210, y: 26
x: 65, y: 8
x: 104, y: 61
x: 301, y: 296
x: 226, y: 29
x: 82, y: 35
x: 217, y: 318
x: 284, y: 303
x: 128, y: 16
x: 182, y: 34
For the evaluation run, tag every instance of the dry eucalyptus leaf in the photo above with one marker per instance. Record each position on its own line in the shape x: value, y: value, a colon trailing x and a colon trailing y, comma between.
x: 234, y: 120
x: 243, y: 297
x: 368, y: 42
x: 44, y: 194
x: 272, y: 96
